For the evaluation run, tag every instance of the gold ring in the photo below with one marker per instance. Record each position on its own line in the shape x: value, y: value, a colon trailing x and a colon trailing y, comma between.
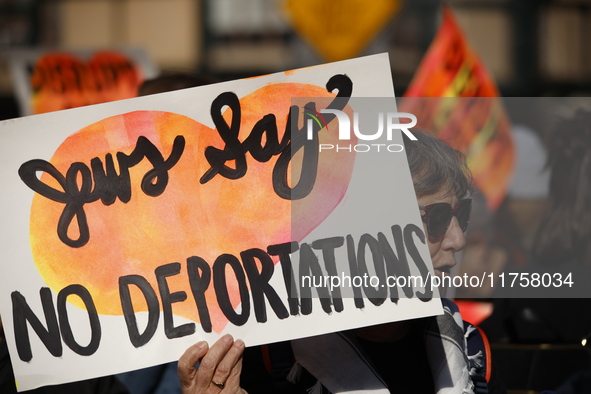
x: 220, y: 385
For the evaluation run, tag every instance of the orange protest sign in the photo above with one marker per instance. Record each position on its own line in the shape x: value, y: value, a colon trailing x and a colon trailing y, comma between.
x: 339, y: 29
x: 477, y: 127
x: 64, y: 80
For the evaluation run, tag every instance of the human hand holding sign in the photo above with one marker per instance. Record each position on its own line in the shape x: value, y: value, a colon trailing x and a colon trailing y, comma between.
x: 219, y: 367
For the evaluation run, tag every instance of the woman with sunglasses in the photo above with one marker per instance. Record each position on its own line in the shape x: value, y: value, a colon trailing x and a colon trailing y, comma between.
x: 431, y: 355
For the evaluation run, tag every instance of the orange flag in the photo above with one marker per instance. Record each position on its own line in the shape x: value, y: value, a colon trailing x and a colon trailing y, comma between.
x: 463, y: 109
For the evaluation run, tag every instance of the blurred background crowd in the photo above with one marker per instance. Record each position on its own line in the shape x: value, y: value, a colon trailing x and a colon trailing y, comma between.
x: 55, y: 53
x: 530, y: 47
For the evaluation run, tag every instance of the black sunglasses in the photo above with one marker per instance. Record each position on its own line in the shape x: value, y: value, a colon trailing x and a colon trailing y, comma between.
x: 438, y: 216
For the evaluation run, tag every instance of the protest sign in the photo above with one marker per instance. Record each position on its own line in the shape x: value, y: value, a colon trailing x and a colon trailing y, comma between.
x: 339, y: 30
x: 136, y: 228
x: 46, y: 80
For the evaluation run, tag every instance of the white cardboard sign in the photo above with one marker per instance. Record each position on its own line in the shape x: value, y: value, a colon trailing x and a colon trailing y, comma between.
x: 133, y: 229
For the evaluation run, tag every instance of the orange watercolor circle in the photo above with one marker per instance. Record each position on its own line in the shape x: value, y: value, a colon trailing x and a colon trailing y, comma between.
x: 188, y: 218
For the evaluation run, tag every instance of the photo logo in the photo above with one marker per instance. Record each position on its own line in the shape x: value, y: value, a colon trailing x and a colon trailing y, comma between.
x: 316, y: 116
x: 387, y: 122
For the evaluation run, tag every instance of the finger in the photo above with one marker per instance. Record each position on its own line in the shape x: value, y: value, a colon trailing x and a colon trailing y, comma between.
x: 186, y: 365
x: 233, y: 380
x: 228, y: 364
x: 210, y: 362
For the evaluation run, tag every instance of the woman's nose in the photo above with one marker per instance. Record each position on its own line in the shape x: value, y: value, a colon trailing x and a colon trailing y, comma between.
x: 454, y: 238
